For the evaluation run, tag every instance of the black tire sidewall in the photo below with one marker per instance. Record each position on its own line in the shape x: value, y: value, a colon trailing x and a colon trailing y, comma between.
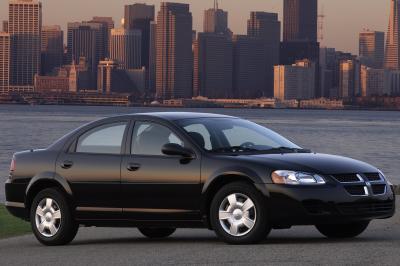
x: 156, y: 232
x: 261, y: 228
x: 68, y: 228
x: 343, y: 230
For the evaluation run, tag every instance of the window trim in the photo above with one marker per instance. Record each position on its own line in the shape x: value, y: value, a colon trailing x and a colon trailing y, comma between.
x: 74, y: 145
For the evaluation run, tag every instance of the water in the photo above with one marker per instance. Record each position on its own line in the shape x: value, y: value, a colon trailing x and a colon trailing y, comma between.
x: 370, y: 136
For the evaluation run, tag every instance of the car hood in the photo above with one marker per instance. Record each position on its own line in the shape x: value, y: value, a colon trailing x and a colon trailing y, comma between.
x: 313, y: 162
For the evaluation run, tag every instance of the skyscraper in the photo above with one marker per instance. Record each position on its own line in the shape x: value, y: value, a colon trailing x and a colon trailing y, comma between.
x: 300, y: 20
x: 108, y: 24
x: 267, y: 27
x: 349, y: 82
x: 372, y: 48
x: 86, y: 40
x: 174, y: 51
x: 52, y: 48
x: 392, y: 57
x: 125, y: 48
x: 151, y: 88
x: 139, y: 17
x: 216, y: 20
x: 248, y: 67
x: 213, y: 66
x: 4, y: 62
x: 25, y: 26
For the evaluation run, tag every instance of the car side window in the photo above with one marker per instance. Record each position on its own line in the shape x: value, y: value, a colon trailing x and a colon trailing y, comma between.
x: 200, y: 134
x: 106, y: 139
x: 148, y: 138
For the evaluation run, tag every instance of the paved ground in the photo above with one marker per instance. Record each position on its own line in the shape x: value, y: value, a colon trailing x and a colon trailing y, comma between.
x: 380, y: 245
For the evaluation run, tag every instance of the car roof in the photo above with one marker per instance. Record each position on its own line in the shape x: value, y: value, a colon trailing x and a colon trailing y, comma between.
x: 179, y: 115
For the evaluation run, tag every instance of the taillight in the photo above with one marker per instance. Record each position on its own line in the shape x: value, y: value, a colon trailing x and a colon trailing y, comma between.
x: 12, y: 166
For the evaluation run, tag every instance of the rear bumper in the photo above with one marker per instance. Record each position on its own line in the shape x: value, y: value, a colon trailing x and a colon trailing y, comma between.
x: 291, y: 205
x: 15, y: 199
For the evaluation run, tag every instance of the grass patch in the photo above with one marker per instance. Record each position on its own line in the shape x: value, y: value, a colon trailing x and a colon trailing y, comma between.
x: 11, y: 226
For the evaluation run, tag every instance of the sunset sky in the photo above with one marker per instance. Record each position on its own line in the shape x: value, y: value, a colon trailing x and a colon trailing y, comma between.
x: 344, y: 18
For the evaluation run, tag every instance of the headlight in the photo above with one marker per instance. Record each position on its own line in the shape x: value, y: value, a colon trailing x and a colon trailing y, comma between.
x: 296, y: 178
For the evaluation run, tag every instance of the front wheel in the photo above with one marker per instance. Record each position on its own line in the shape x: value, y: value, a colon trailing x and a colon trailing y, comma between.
x: 157, y: 232
x: 239, y: 214
x: 348, y: 230
x: 51, y: 219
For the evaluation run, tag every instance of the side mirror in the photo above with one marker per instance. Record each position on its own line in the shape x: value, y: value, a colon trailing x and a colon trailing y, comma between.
x: 173, y: 149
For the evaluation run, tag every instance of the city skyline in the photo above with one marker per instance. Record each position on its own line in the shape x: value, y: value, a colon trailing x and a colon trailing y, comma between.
x: 347, y: 24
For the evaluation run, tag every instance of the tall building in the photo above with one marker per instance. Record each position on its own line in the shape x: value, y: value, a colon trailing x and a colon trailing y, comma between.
x: 108, y: 24
x: 300, y: 20
x: 86, y: 40
x: 25, y: 26
x: 139, y: 17
x: 216, y: 20
x: 104, y: 76
x: 174, y: 51
x: 349, y: 79
x: 52, y: 48
x: 372, y: 81
x: 249, y: 67
x: 392, y: 56
x: 125, y: 48
x: 295, y: 82
x: 267, y: 27
x: 152, y: 61
x: 5, y: 26
x: 213, y: 66
x: 327, y: 64
x: 372, y: 48
x: 4, y: 62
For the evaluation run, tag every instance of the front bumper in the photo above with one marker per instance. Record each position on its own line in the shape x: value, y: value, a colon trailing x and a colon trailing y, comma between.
x: 308, y: 205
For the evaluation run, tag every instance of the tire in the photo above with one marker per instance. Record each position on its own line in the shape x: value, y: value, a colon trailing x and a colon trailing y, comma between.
x: 240, y: 223
x: 348, y: 230
x: 51, y: 219
x: 157, y: 232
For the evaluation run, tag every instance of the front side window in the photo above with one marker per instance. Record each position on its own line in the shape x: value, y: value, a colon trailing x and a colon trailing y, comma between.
x: 106, y: 139
x: 149, y: 138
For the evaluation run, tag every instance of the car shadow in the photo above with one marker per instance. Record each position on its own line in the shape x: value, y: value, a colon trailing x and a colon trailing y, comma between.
x: 215, y: 241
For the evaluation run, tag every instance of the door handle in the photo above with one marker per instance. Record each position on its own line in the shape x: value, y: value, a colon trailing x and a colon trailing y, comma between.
x: 67, y: 164
x: 133, y: 167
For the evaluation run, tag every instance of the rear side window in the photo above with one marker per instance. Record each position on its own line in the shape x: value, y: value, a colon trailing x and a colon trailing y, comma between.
x: 106, y: 139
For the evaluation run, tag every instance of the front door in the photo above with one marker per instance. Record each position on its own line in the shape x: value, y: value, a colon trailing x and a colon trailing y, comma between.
x: 156, y: 186
x: 92, y: 168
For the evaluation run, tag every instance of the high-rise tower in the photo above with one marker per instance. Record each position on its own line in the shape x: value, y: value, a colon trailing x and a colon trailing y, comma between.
x: 25, y: 27
x: 392, y: 57
x: 216, y: 20
x: 300, y: 20
x: 174, y: 51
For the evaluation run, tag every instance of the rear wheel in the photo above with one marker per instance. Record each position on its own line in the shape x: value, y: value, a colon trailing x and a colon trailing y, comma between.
x: 348, y: 230
x: 239, y: 214
x: 157, y: 232
x: 51, y: 219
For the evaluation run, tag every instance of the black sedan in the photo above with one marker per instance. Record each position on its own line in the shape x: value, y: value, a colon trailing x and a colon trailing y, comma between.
x: 162, y: 171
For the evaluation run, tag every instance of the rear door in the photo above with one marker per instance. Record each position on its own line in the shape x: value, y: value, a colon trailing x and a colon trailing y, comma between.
x: 92, y: 168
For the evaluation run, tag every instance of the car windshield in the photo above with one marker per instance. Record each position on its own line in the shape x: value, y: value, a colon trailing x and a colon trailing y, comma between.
x: 233, y: 135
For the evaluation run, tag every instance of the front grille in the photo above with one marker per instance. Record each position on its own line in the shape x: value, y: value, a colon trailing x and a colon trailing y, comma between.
x: 373, y: 177
x: 355, y: 190
x: 365, y: 208
x: 347, y: 178
x: 378, y: 189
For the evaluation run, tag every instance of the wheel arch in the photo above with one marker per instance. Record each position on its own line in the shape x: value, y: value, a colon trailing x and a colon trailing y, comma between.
x: 43, y: 181
x: 215, y: 183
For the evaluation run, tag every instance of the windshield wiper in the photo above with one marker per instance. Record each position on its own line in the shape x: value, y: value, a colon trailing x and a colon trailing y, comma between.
x: 233, y: 149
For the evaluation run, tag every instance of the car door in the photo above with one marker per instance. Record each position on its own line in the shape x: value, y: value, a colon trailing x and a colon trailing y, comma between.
x: 92, y: 168
x: 157, y: 186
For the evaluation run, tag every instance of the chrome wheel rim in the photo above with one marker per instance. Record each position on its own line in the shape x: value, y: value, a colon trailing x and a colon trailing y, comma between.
x: 237, y: 214
x: 48, y: 217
